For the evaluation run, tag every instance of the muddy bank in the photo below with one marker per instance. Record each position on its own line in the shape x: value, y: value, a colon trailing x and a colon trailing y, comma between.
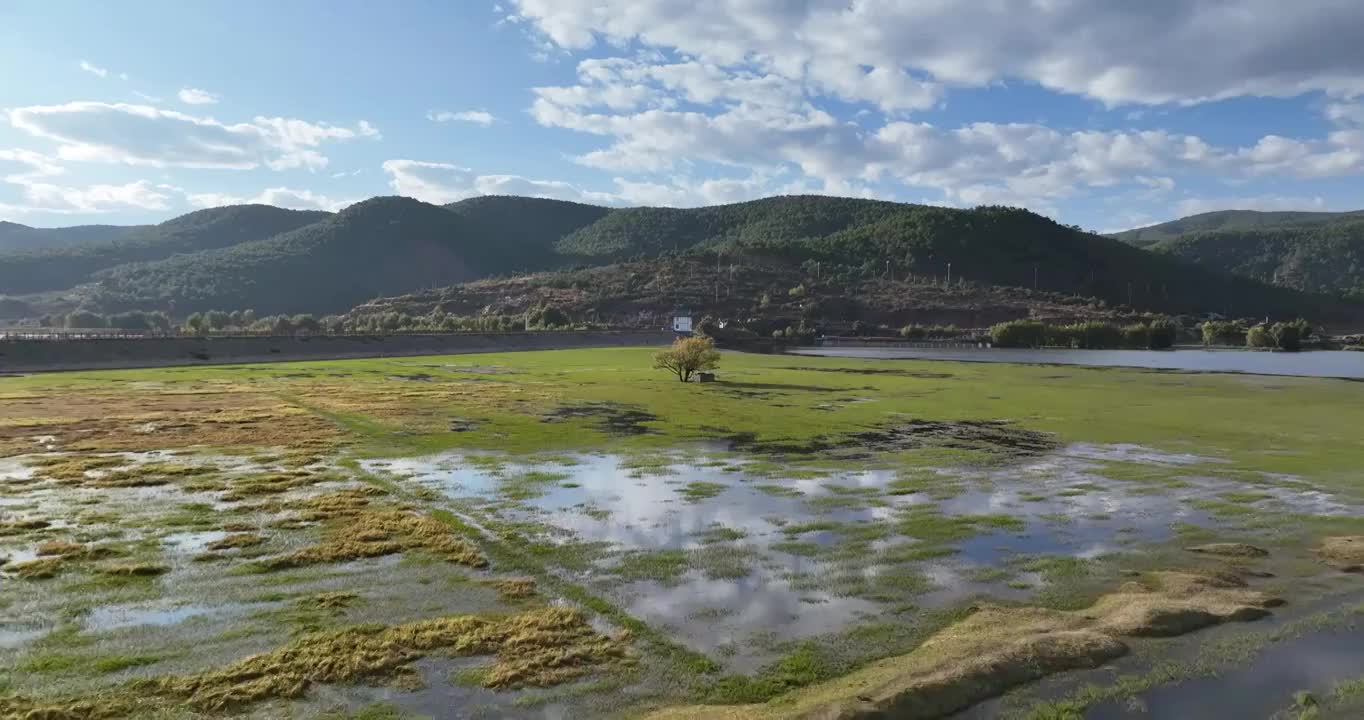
x: 122, y: 353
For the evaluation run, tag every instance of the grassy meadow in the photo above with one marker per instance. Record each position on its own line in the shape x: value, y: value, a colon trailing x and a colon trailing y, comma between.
x: 509, y: 535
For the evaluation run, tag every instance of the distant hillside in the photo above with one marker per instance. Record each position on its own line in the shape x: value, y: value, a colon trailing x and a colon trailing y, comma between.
x: 519, y: 233
x: 1230, y: 220
x: 236, y: 258
x: 379, y: 246
x: 1316, y: 258
x: 60, y: 268
x: 991, y: 245
x: 21, y: 238
x: 643, y: 293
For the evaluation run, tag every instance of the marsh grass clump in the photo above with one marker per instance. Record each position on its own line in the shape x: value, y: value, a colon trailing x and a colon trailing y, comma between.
x: 701, y: 490
x: 333, y: 602
x: 39, y: 569
x: 61, y: 548
x: 236, y: 541
x: 537, y: 648
x: 132, y: 570
x: 23, y: 526
x: 356, y: 530
x: 514, y: 588
x: 273, y: 483
x: 1344, y: 553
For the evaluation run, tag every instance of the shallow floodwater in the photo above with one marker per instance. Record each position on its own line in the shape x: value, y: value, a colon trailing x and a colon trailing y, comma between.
x: 1313, y: 662
x: 1323, y: 363
x: 780, y: 541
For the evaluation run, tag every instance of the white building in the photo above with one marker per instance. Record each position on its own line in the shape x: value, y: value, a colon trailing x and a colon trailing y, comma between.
x: 682, y: 322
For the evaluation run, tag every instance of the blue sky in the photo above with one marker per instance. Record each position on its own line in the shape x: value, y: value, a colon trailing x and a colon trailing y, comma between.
x: 1107, y: 114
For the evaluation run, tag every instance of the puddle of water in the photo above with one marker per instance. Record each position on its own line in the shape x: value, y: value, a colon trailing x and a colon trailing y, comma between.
x: 114, y: 617
x: 1314, y: 662
x: 187, y: 543
x: 1126, y: 452
x: 13, y: 636
x: 19, y: 555
x: 439, y: 697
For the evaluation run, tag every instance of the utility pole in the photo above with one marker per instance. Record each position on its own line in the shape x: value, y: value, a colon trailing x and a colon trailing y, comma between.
x: 949, y: 275
x: 1034, y: 276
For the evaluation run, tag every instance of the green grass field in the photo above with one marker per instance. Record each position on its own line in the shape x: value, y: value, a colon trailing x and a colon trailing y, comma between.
x: 164, y: 526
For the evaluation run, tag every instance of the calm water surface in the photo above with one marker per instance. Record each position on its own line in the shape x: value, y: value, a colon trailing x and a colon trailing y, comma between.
x: 1333, y: 364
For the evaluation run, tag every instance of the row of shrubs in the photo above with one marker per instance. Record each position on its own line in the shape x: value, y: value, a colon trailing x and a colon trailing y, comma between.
x: 1279, y: 335
x: 1092, y: 335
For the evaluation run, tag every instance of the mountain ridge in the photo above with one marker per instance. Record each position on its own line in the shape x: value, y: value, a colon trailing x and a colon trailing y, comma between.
x: 328, y: 263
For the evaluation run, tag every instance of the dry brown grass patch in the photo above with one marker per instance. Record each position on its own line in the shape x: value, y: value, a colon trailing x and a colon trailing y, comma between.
x: 40, y: 569
x: 235, y: 541
x: 355, y: 529
x: 170, y: 418
x: 539, y: 648
x: 1344, y: 553
x: 134, y: 570
x: 514, y: 588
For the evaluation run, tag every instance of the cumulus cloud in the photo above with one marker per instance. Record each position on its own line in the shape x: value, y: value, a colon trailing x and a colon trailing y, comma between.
x: 440, y: 183
x: 1111, y: 50
x: 1194, y: 206
x: 476, y: 117
x: 284, y: 197
x: 145, y: 135
x: 195, y: 96
x: 662, y: 128
x: 49, y: 198
x: 19, y: 166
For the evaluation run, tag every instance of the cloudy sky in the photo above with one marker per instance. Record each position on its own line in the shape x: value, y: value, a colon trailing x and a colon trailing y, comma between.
x: 1105, y: 113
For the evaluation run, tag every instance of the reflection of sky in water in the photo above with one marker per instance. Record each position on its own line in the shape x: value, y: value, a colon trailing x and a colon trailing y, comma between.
x: 1316, y: 662
x: 634, y: 510
x: 114, y: 617
x: 757, y: 603
x: 440, y: 698
x: 191, y: 542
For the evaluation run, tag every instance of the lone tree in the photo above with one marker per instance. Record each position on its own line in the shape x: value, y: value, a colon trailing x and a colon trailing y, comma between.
x: 688, y: 355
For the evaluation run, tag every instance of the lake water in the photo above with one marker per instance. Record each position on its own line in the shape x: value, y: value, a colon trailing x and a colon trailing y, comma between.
x: 1329, y: 364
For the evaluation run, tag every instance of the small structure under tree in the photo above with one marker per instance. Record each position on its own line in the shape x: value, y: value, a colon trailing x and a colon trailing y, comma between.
x: 687, y: 356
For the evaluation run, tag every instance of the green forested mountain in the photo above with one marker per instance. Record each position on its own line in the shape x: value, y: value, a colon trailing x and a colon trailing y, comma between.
x: 59, y: 268
x: 1230, y: 220
x: 328, y: 263
x: 1319, y: 258
x: 382, y: 245
x: 19, y: 238
x: 991, y: 245
x: 519, y: 233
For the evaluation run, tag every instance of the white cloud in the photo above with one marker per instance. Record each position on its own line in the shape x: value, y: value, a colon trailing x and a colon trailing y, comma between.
x: 651, y: 129
x: 46, y: 197
x: 442, y: 183
x: 195, y: 96
x: 20, y: 166
x: 144, y: 135
x: 93, y: 69
x: 1113, y: 51
x: 1194, y: 206
x: 476, y: 117
x: 279, y: 197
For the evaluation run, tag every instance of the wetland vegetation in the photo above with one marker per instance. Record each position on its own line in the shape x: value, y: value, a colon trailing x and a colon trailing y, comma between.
x: 574, y: 533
